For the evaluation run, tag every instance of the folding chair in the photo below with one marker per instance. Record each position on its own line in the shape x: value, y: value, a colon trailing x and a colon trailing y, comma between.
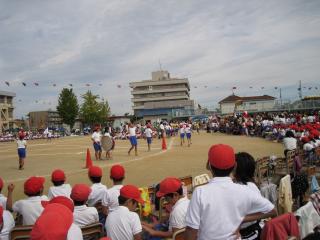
x: 262, y: 170
x: 21, y: 232
x: 179, y: 235
x: 200, y: 180
x: 92, y: 232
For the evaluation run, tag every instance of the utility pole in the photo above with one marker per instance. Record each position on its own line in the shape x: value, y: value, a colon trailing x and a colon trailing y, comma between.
x: 300, y: 90
x: 280, y: 98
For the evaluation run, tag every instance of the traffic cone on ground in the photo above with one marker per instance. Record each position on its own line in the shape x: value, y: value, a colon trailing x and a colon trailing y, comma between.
x: 164, y: 144
x: 88, y: 159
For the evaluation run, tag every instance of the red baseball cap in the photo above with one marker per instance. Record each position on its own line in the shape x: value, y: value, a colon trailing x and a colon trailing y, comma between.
x: 305, y: 139
x: 131, y: 192
x: 53, y: 223
x: 80, y: 192
x: 58, y: 175
x: 61, y: 200
x: 33, y: 185
x: 221, y: 156
x: 1, y: 183
x: 95, y: 171
x: 117, y: 171
x: 1, y: 214
x: 168, y: 185
x: 105, y: 238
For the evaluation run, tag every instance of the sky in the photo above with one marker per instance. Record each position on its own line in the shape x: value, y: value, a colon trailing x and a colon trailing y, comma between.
x: 255, y: 46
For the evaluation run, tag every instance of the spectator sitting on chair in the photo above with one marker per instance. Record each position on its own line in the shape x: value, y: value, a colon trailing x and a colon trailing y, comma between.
x: 97, y: 188
x: 59, y: 187
x: 110, y: 199
x: 29, y: 208
x: 6, y: 223
x: 123, y: 223
x: 82, y: 214
x: 171, y: 190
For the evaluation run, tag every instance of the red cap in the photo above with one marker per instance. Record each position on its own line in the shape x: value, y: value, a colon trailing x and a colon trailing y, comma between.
x: 58, y: 175
x: 1, y: 214
x: 221, y: 156
x: 53, y: 223
x: 315, y: 133
x: 305, y: 139
x: 131, y: 192
x: 80, y: 192
x: 95, y: 171
x: 1, y: 183
x: 169, y: 185
x: 105, y: 238
x: 33, y: 185
x: 61, y: 200
x: 117, y: 172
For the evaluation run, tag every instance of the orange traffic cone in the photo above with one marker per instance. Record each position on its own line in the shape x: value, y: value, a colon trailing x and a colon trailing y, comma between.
x: 88, y: 159
x: 164, y: 145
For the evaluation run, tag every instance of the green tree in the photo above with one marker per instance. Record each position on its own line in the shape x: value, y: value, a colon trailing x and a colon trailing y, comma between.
x: 92, y: 110
x: 68, y: 107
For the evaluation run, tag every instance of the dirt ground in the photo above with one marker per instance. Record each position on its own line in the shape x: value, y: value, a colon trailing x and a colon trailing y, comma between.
x: 146, y: 169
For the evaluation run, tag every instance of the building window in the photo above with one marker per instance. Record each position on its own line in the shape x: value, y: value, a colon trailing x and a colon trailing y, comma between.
x: 150, y: 88
x: 253, y: 103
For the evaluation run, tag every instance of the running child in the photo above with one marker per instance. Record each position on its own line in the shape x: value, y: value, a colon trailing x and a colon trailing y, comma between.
x: 96, y: 139
x: 133, y: 139
x: 22, y: 146
x: 188, y: 133
x: 148, y: 133
x: 182, y: 132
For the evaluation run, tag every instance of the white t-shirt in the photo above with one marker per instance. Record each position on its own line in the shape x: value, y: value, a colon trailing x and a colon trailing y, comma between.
x: 122, y: 224
x: 3, y: 201
x: 187, y: 129
x: 83, y: 215
x: 307, y: 147
x: 97, y: 193
x: 178, y: 215
x: 21, y: 143
x: 8, y: 224
x: 182, y: 130
x: 218, y: 208
x: 29, y: 208
x: 148, y: 132
x: 290, y: 143
x: 62, y: 190
x: 96, y: 137
x: 74, y: 233
x: 110, y: 198
x: 132, y: 131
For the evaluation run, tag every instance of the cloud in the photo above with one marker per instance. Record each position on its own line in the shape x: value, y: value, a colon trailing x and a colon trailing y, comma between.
x: 218, y: 44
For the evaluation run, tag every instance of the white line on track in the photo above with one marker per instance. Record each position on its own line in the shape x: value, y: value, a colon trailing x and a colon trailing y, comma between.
x: 107, y: 165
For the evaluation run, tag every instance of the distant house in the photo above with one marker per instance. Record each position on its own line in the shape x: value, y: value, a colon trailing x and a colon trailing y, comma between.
x: 119, y: 121
x: 234, y: 103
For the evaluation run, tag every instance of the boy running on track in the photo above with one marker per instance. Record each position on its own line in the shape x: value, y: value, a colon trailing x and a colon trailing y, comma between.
x: 133, y: 139
x: 181, y: 130
x: 96, y: 139
x: 188, y: 133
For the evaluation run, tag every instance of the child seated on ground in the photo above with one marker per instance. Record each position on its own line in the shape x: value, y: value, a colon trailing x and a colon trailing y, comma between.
x: 6, y: 223
x: 59, y: 187
x: 97, y: 188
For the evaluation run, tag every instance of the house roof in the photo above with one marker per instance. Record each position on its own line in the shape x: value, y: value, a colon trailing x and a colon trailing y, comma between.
x: 234, y: 98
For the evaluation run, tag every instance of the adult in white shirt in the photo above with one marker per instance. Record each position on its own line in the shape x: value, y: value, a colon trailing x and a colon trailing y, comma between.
x: 148, y: 133
x: 289, y: 142
x: 110, y: 199
x: 97, y: 188
x: 218, y: 208
x: 3, y: 199
x: 56, y: 223
x: 29, y: 208
x: 133, y: 139
x: 123, y: 223
x: 96, y: 139
x: 22, y: 150
x: 172, y: 190
x: 59, y: 187
x: 6, y: 223
x: 83, y: 215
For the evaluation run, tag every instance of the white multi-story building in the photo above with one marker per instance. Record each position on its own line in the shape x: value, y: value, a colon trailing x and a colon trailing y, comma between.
x: 6, y: 110
x: 234, y: 103
x: 162, y: 97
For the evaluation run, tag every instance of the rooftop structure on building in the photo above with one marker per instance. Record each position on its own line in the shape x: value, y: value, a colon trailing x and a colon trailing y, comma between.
x: 6, y: 110
x: 234, y: 103
x: 161, y: 97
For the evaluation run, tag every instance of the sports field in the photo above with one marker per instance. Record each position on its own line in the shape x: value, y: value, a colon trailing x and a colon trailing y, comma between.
x: 69, y: 154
